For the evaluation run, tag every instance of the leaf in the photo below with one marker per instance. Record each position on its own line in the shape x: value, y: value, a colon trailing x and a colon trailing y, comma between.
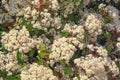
x: 19, y: 58
x: 29, y: 27
x: 85, y: 38
x: 3, y: 28
x: 23, y: 22
x: 10, y: 78
x: 3, y: 73
x: 18, y: 77
x: 42, y: 47
x: 81, y: 4
x: 65, y: 34
x: 40, y: 62
x: 109, y: 49
x: 32, y: 52
x: 107, y: 35
x: 68, y: 70
x: 77, y: 54
x: 118, y: 64
x: 96, y: 6
x: 43, y: 53
x: 107, y: 20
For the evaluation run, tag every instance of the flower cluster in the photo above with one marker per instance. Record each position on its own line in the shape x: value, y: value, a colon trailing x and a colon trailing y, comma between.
x: 9, y: 62
x: 75, y: 31
x: 96, y: 67
x: 118, y: 44
x: 63, y: 49
x: 59, y: 40
x: 19, y: 40
x: 93, y: 25
x: 36, y: 72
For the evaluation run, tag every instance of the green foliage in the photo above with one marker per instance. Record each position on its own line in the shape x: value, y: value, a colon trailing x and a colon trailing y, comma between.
x: 109, y: 49
x: 42, y: 47
x: 32, y: 52
x: 22, y: 22
x: 77, y: 54
x: 43, y: 53
x: 40, y: 62
x: 3, y: 28
x: 107, y: 20
x: 14, y: 76
x: 118, y: 64
x: 65, y: 34
x: 96, y: 7
x: 74, y: 17
x: 68, y: 70
x: 10, y: 78
x: 85, y: 38
x: 19, y: 58
x: 3, y: 73
x: 108, y: 35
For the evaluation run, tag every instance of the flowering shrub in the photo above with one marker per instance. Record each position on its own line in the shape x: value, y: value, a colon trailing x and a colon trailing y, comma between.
x: 60, y: 40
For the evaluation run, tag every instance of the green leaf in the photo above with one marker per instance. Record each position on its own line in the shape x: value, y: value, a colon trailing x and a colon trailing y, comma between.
x: 109, y: 49
x: 10, y: 78
x: 43, y: 53
x: 96, y: 6
x: 23, y: 22
x: 77, y: 54
x: 3, y: 73
x: 29, y: 27
x: 118, y: 64
x: 3, y: 28
x: 18, y: 77
x: 42, y: 47
x: 107, y: 20
x: 32, y: 52
x: 40, y: 62
x: 68, y: 70
x: 19, y: 58
x: 107, y: 35
x: 65, y: 34
x: 85, y: 38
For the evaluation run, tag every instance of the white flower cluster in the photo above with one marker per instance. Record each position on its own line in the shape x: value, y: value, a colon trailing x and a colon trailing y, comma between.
x: 95, y: 67
x: 41, y: 19
x: 100, y: 50
x: 63, y: 49
x: 76, y: 31
x: 30, y: 13
x: 69, y: 7
x: 118, y: 44
x: 94, y: 25
x: 113, y: 12
x: 12, y: 6
x: 54, y: 5
x: 9, y: 62
x: 37, y: 72
x: 19, y: 40
x: 46, y: 21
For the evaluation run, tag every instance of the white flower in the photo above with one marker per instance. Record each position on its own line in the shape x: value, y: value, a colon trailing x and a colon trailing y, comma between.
x: 64, y: 48
x: 36, y: 72
x: 93, y: 25
x: 96, y: 66
x: 54, y: 5
x: 20, y: 40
